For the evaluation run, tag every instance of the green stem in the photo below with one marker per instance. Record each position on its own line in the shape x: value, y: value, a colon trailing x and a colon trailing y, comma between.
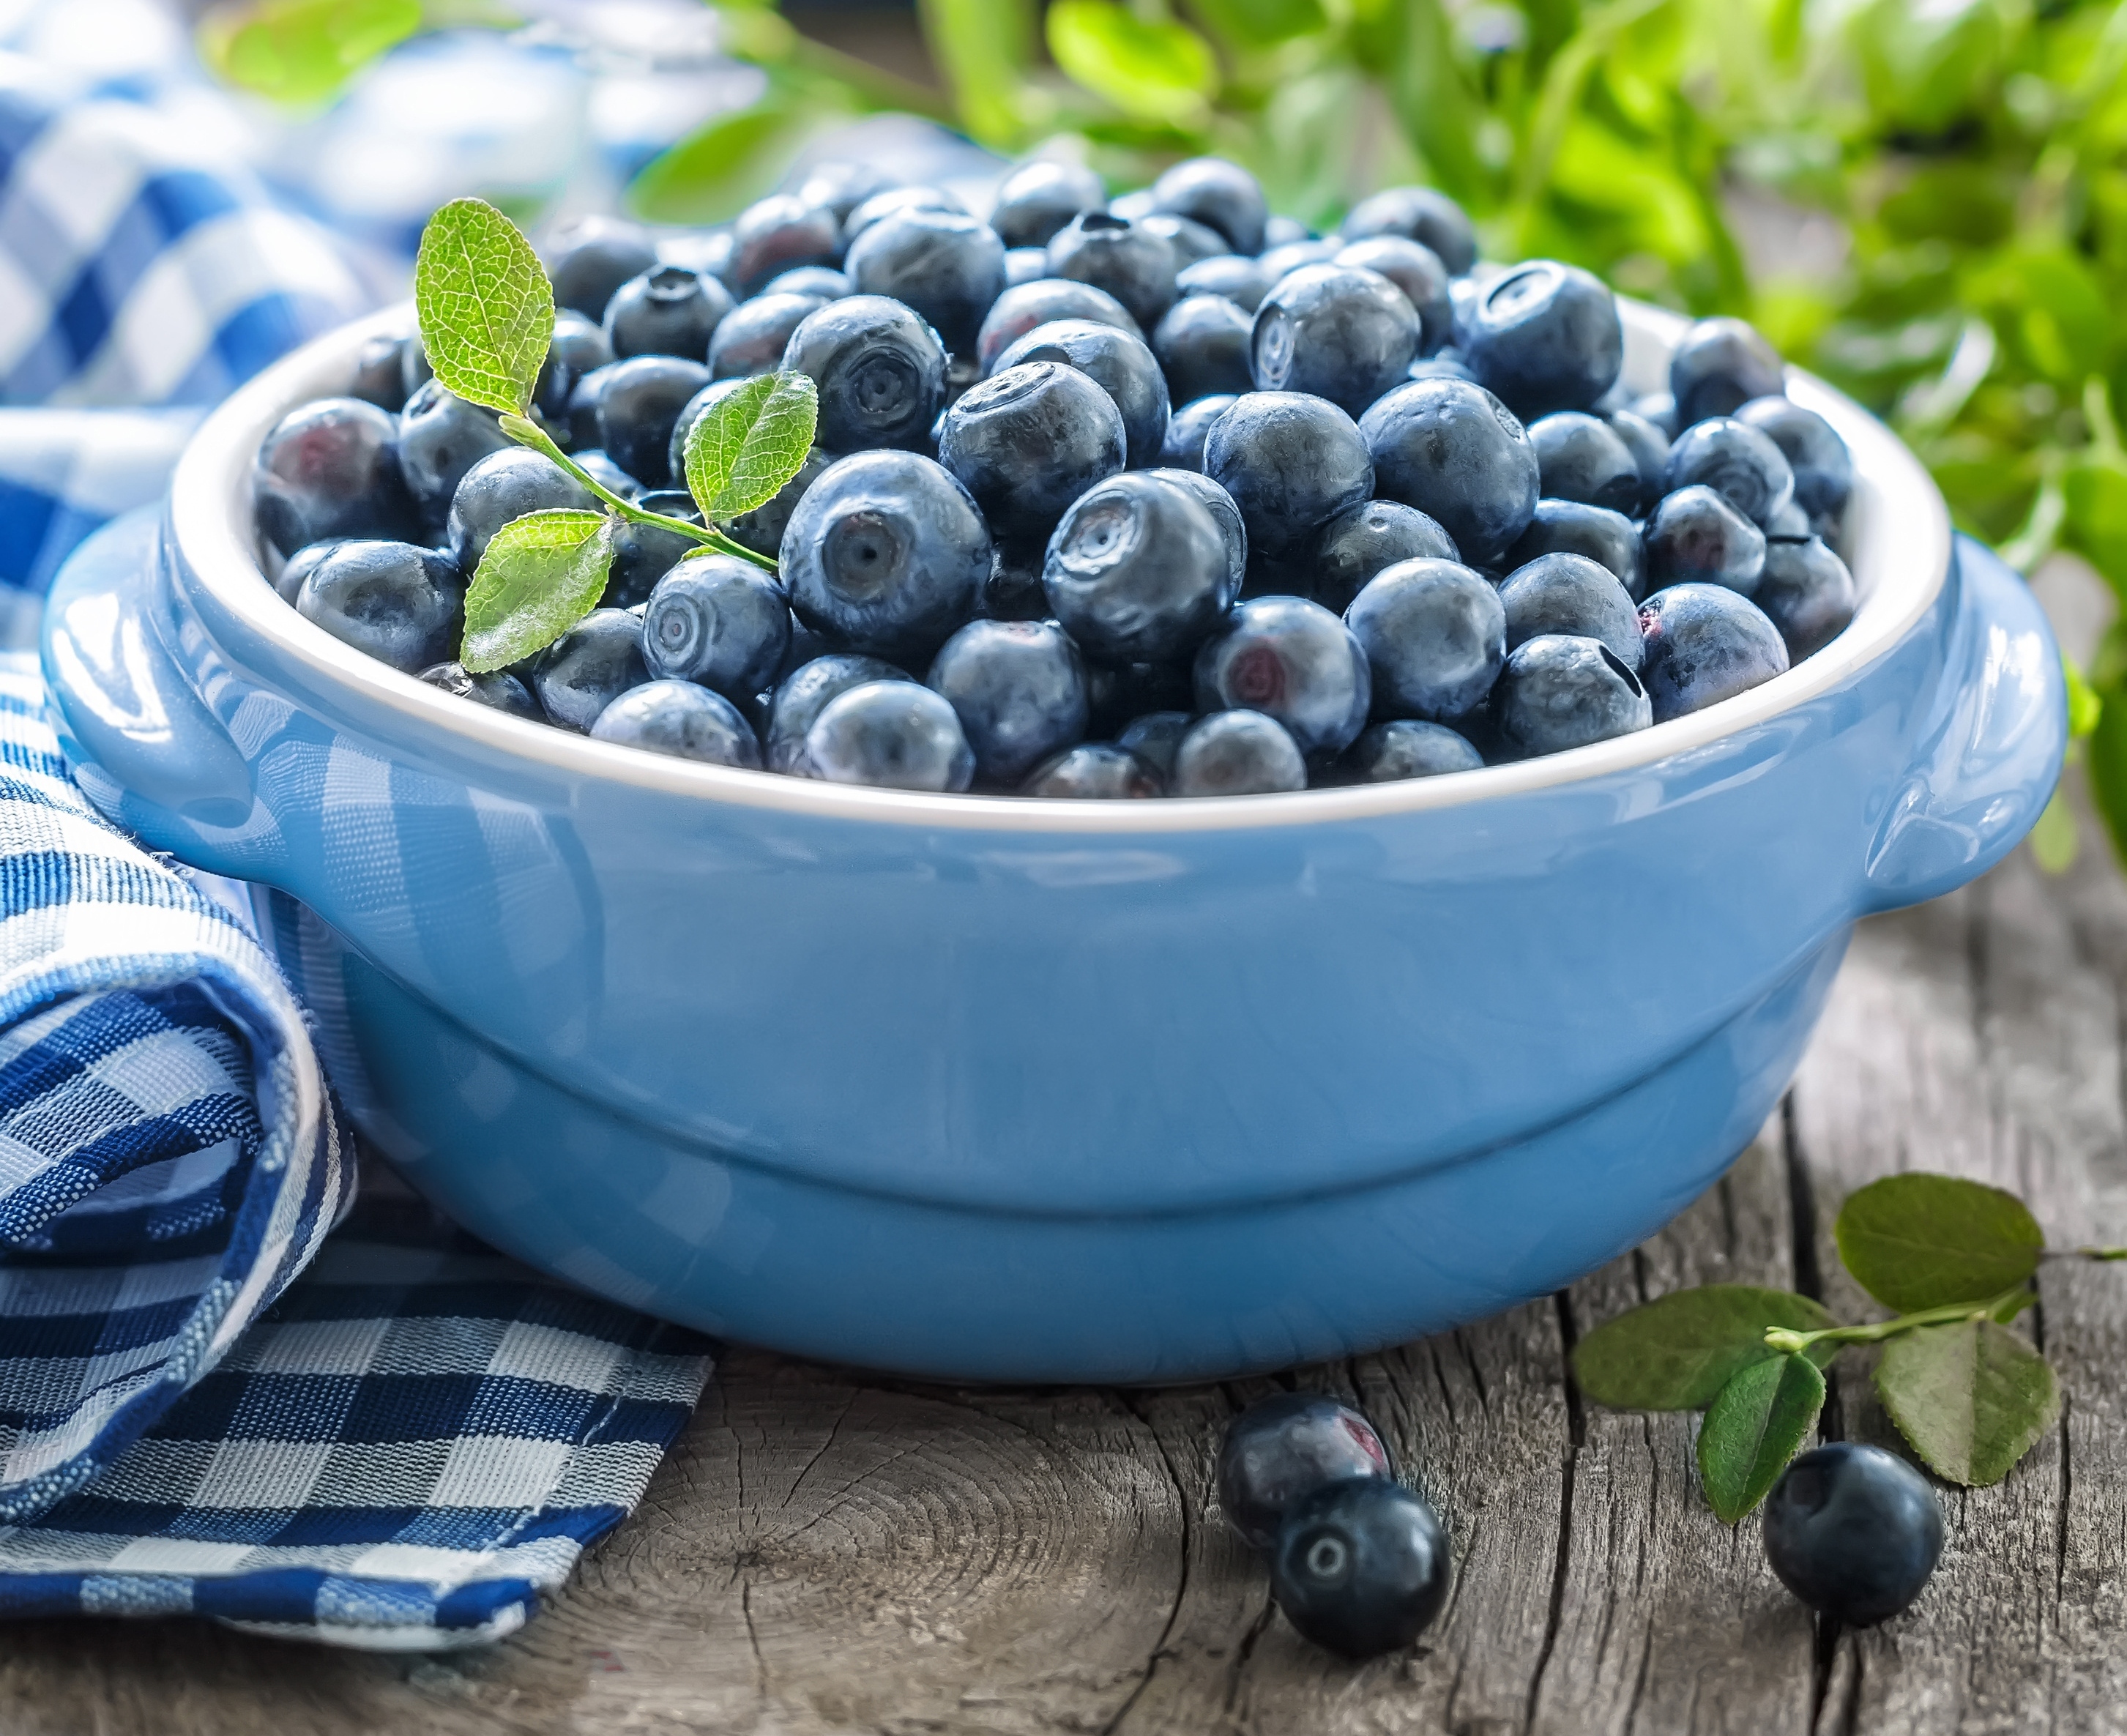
x: 526, y: 432
x: 1779, y: 1338
x: 2101, y: 1253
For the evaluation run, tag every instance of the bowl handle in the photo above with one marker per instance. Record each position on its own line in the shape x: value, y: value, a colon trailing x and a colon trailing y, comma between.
x: 1989, y: 751
x: 143, y: 744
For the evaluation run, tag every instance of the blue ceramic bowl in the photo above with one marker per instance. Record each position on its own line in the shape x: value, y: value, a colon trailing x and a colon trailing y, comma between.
x: 995, y: 1088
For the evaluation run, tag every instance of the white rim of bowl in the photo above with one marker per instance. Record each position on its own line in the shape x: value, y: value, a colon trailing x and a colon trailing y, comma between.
x: 1897, y: 541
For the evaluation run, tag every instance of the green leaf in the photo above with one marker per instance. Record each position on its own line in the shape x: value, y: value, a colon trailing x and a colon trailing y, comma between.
x: 985, y: 47
x: 743, y: 448
x: 1756, y: 1425
x: 1259, y: 23
x: 1678, y: 1352
x: 302, y: 51
x: 1153, y: 72
x: 2095, y: 489
x: 1925, y: 63
x: 541, y: 574
x: 718, y: 170
x: 485, y: 307
x: 1925, y: 1242
x: 1973, y: 1398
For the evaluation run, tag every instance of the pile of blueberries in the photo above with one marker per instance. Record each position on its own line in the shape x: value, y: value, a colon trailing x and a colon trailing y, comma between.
x: 1360, y: 1564
x: 1163, y: 495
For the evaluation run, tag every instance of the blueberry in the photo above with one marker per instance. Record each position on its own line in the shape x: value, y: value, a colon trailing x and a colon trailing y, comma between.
x: 1278, y: 230
x: 667, y: 311
x: 804, y: 694
x: 639, y: 405
x: 718, y: 620
x: 1291, y: 462
x: 299, y: 567
x: 414, y: 369
x: 1705, y: 643
x: 1203, y: 345
x: 1416, y: 270
x: 1241, y: 281
x: 1407, y: 747
x: 1543, y: 337
x: 1694, y: 536
x: 1822, y: 467
x: 752, y: 339
x: 504, y: 486
x: 886, y: 552
x: 1648, y: 447
x: 1138, y: 571
x: 1221, y: 196
x: 1293, y: 660
x: 401, y: 604
x: 1790, y: 523
x: 1216, y: 501
x: 1278, y: 262
x: 1237, y: 753
x: 583, y: 414
x: 587, y: 668
x: 1012, y: 592
x: 1028, y: 441
x: 1658, y: 408
x: 1736, y: 459
x: 888, y: 201
x: 1808, y: 593
x: 1418, y: 214
x: 1097, y: 771
x: 1182, y: 446
x: 1345, y: 334
x: 1024, y: 306
x: 1852, y: 1531
x: 1579, y: 458
x: 948, y: 266
x: 1191, y: 242
x: 380, y: 372
x: 331, y: 468
x: 577, y: 348
x: 1037, y: 199
x: 642, y: 554
x: 1459, y: 455
x: 893, y: 734
x: 880, y: 369
x: 761, y: 529
x: 1434, y: 634
x: 1119, y: 363
x: 592, y: 257
x: 679, y: 718
x: 1155, y: 738
x: 778, y: 234
x: 500, y: 691
x: 1019, y: 689
x: 1571, y: 527
x: 840, y: 185
x: 1133, y: 265
x: 1027, y: 265
x: 1375, y: 534
x: 1559, y: 691
x: 1718, y: 367
x: 1115, y: 693
x: 1361, y: 1567
x: 441, y: 437
x: 1571, y: 594
x: 1281, y: 1449
x: 1447, y: 364
x: 821, y: 281
x: 707, y: 251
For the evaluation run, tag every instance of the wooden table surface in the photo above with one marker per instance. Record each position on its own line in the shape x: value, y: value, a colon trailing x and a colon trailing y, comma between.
x: 827, y: 1551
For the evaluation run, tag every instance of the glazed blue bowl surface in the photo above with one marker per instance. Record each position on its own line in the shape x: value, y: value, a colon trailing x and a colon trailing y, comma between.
x: 990, y: 1088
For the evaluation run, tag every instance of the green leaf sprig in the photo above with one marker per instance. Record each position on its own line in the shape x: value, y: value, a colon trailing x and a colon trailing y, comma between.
x: 486, y: 313
x: 1955, y: 1259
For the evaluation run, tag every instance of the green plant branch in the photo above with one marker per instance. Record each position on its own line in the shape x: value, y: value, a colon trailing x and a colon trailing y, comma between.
x: 1780, y: 1338
x: 2099, y: 1253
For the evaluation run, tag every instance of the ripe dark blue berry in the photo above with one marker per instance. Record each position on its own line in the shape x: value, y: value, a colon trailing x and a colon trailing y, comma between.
x: 577, y: 348
x: 1191, y: 241
x: 1019, y: 689
x: 1648, y: 447
x: 393, y: 601
x: 778, y: 234
x: 803, y: 694
x: 1581, y: 457
x: 1182, y: 448
x: 1808, y: 593
x: 1571, y: 594
x: 667, y: 311
x: 1133, y: 265
x: 1571, y: 527
x: 1418, y: 214
x: 754, y: 335
x: 1026, y: 306
x: 1037, y: 199
x: 639, y: 405
x: 880, y: 369
x: 1120, y: 364
x: 1216, y: 501
x: 823, y: 282
x: 1559, y: 691
x: 1695, y: 536
x: 1241, y: 281
x: 1291, y: 462
x: 379, y: 370
x: 1543, y: 336
x: 1027, y: 265
x: 1852, y: 1531
x: 1416, y: 270
x: 1202, y: 345
x: 1094, y: 771
x: 889, y: 201
x: 1221, y: 196
x: 1237, y: 753
x: 893, y: 735
x: 1407, y: 747
x: 498, y: 690
x: 1361, y: 1567
x: 299, y: 567
x: 592, y: 257
x: 1718, y: 366
x: 1356, y: 545
x: 1285, y: 1448
x: 1294, y: 660
x: 1823, y: 467
x: 1434, y: 634
x: 1460, y: 456
x: 441, y: 437
x: 589, y: 667
x: 1028, y: 441
x: 1705, y: 643
x: 716, y: 620
x: 1138, y: 570
x: 1736, y: 460
x: 504, y: 486
x: 331, y: 469
x: 679, y: 718
x: 948, y: 266
x: 1341, y: 333
x: 1277, y: 262
x: 1155, y: 738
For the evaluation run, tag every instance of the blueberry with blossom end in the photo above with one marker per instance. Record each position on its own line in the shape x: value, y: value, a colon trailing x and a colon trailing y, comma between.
x: 1138, y: 571
x: 1542, y: 337
x: 682, y: 719
x: 1285, y: 1447
x: 331, y: 469
x: 716, y: 620
x: 1237, y: 753
x: 667, y: 311
x: 1133, y: 264
x: 804, y: 694
x: 589, y: 667
x: 1705, y: 643
x: 1291, y: 462
x: 893, y: 735
x: 1028, y: 441
x: 1460, y: 456
x: 1018, y: 688
x: 880, y: 369
x: 402, y: 604
x: 1036, y: 199
x: 1434, y: 634
x: 1695, y: 536
x: 1294, y: 660
x: 1094, y: 771
x: 1339, y: 332
x: 1736, y: 461
x: 1718, y: 366
x: 1559, y: 691
x: 1120, y: 364
x: 1361, y: 1567
x: 1852, y: 1531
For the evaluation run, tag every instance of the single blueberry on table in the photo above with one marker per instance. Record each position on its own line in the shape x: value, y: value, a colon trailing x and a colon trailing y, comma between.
x: 1278, y: 262
x: 778, y: 234
x: 1037, y: 199
x: 1115, y: 693
x: 1361, y: 1567
x: 718, y: 620
x: 754, y: 335
x: 1119, y: 363
x: 1375, y: 534
x: 1028, y: 441
x: 1416, y: 270
x: 299, y: 566
x: 592, y: 257
x: 1019, y: 689
x: 1133, y: 265
x: 1460, y: 456
x: 1216, y: 501
x: 642, y: 554
x: 1852, y: 1531
x: 1648, y: 447
x: 1285, y: 1448
x: 1559, y: 691
x: 1182, y: 448
x: 1542, y: 337
x: 1138, y: 571
x: 880, y: 369
x: 1571, y: 594
x: 639, y: 405
x: 1808, y: 593
x: 577, y: 348
x: 1155, y: 738
x: 1736, y: 460
x: 1695, y: 536
x: 892, y: 734
x: 1823, y: 467
x: 1407, y: 747
x: 1221, y: 196
x: 823, y: 282
x: 804, y: 694
x: 1571, y: 527
x: 682, y: 719
x: 402, y: 604
x: 332, y: 469
x: 1417, y: 213
x: 1094, y: 771
x: 1241, y: 281
x: 887, y: 553
x: 589, y: 667
x: 1434, y: 633
x: 1718, y: 366
x: 498, y: 690
x: 1026, y: 306
x: 1293, y: 660
x: 1291, y: 462
x: 1705, y: 643
x: 1191, y: 241
x: 1341, y: 333
x: 890, y: 201
x: 504, y: 486
x: 948, y: 266
x: 669, y: 311
x: 1202, y: 343
x: 1237, y: 753
x: 1581, y: 457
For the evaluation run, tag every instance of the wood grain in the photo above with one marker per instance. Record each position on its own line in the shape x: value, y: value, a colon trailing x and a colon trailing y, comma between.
x: 832, y: 1552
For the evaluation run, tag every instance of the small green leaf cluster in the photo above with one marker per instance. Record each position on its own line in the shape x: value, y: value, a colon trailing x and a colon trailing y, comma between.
x: 486, y: 311
x: 1952, y: 1258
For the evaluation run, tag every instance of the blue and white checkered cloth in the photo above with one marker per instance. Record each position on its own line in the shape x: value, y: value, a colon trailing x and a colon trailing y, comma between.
x: 216, y: 1397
